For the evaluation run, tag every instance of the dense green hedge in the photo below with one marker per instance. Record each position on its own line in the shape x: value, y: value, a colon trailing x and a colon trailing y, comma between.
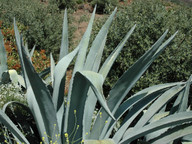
x: 152, y: 17
x: 42, y: 21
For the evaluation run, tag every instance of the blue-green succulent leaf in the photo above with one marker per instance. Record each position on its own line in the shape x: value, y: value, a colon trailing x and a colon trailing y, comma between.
x: 133, y: 100
x: 92, y: 63
x: 127, y: 81
x: 111, y: 59
x: 82, y: 81
x: 32, y: 51
x: 184, y: 102
x: 3, y: 56
x: 64, y: 41
x: 96, y: 50
x: 157, y: 105
x: 52, y: 68
x: 40, y: 101
x: 5, y: 120
x: 79, y: 65
x: 173, y: 134
x: 59, y: 73
x: 169, y: 121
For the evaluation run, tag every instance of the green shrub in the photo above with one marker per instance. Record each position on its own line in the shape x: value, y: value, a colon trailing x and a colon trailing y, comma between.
x: 42, y: 22
x: 152, y: 18
x: 62, y: 4
x: 104, y: 6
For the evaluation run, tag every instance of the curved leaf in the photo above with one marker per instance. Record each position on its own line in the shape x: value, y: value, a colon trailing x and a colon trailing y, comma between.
x: 133, y: 100
x: 40, y: 101
x: 129, y: 78
x: 5, y: 120
x: 173, y: 134
x: 82, y: 81
x: 92, y: 63
x: 169, y: 121
x: 79, y: 65
x: 157, y: 105
x: 59, y: 73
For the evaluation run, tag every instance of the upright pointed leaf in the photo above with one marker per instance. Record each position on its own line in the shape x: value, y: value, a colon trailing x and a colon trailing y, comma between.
x: 40, y: 95
x: 184, y: 103
x: 98, y: 44
x: 32, y: 51
x: 3, y: 56
x: 18, y: 43
x: 79, y: 65
x: 83, y: 45
x: 93, y: 63
x: 111, y: 59
x: 52, y: 68
x: 64, y: 41
x: 128, y: 80
x: 59, y: 73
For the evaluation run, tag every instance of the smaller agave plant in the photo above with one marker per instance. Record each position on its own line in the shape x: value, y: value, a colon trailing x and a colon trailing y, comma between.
x: 158, y: 114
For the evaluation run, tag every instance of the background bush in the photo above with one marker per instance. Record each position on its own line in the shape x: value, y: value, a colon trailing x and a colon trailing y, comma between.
x: 42, y: 22
x: 104, y: 6
x: 152, y: 19
x: 62, y: 4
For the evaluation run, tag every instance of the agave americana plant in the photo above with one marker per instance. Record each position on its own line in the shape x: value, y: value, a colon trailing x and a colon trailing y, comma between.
x: 144, y: 117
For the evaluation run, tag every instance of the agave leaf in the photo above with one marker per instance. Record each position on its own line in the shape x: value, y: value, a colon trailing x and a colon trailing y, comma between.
x: 111, y: 59
x: 22, y: 122
x: 157, y: 105
x: 18, y: 43
x: 159, y: 132
x: 175, y: 107
x: 82, y: 81
x: 129, y: 78
x: 133, y: 100
x: 96, y: 50
x: 3, y: 56
x: 59, y: 73
x: 92, y: 63
x: 27, y: 49
x: 104, y: 71
x: 5, y: 120
x: 173, y: 91
x: 83, y: 45
x: 44, y: 72
x: 52, y: 69
x: 35, y: 109
x: 169, y: 121
x: 64, y: 41
x: 187, y: 138
x: 106, y: 141
x: 173, y: 134
x: 133, y: 113
x: 184, y: 103
x: 31, y: 52
x: 40, y: 96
